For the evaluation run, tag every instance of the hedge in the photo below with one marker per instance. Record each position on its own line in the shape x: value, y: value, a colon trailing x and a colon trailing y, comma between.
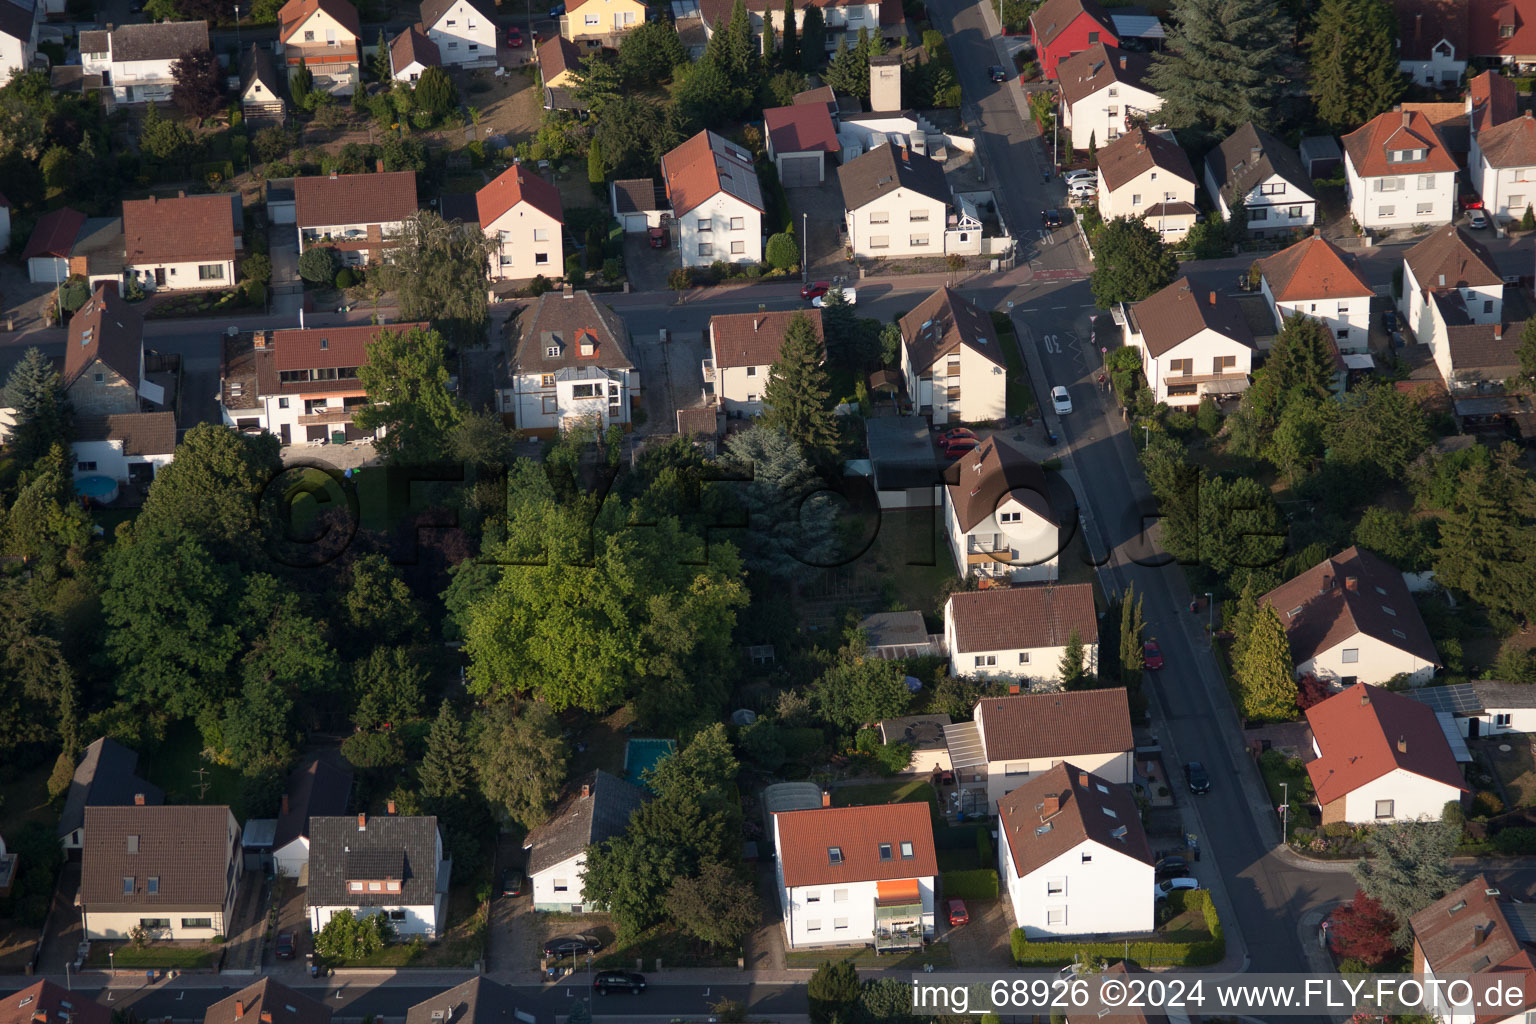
x: 1145, y: 952
x: 976, y: 884
x: 1515, y: 840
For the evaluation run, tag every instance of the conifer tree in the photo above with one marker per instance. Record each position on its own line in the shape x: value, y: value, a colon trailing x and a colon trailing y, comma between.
x: 797, y: 398
x: 42, y: 412
x: 789, y: 52
x: 1072, y: 667
x: 1132, y: 657
x: 1242, y: 622
x: 447, y: 768
x: 813, y: 39
x: 1266, y: 677
x: 1353, y: 55
x: 1224, y: 65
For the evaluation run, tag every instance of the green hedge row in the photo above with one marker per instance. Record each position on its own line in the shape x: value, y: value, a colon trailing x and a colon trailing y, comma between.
x: 976, y: 884
x: 1146, y: 953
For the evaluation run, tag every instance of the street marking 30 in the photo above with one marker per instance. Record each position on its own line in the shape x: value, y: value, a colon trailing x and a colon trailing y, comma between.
x: 1051, y: 343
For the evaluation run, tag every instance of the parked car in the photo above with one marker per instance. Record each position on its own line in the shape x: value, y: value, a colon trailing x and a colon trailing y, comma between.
x: 1053, y: 218
x: 1389, y: 319
x: 514, y: 37
x: 997, y: 73
x: 1081, y: 174
x: 815, y: 290
x: 1171, y: 867
x: 1151, y: 655
x: 618, y: 981
x: 957, y: 913
x: 1197, y: 777
x: 1477, y: 220
x: 658, y: 237
x: 557, y: 10
x: 1061, y: 401
x: 283, y: 947
x: 512, y: 882
x: 850, y: 296
x: 957, y: 432
x: 958, y: 447
x: 571, y: 945
x: 1162, y: 889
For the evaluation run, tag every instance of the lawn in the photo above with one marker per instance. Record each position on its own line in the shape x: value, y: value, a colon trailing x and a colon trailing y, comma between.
x: 1276, y: 769
x: 174, y: 767
x: 894, y: 792
x: 1182, y: 925
x: 1020, y: 396
x: 109, y: 519
x: 186, y: 956
x: 1515, y: 767
x: 670, y: 946
x: 314, y: 491
x: 938, y: 954
x: 909, y: 560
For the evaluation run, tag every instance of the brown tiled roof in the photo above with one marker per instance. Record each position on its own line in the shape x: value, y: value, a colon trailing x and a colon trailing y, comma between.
x: 1073, y: 724
x: 55, y: 1002
x: 1157, y: 210
x: 1452, y: 254
x: 1035, y: 615
x: 1422, y: 24
x: 823, y: 94
x: 1494, y: 99
x: 1083, y: 74
x: 704, y: 420
x: 1088, y: 809
x: 942, y: 323
x: 476, y: 1001
x: 1128, y: 1016
x: 354, y: 198
x: 16, y: 19
x: 327, y: 347
x: 1368, y: 145
x: 518, y: 184
x: 1174, y: 315
x: 1479, y: 930
x: 1366, y: 732
x: 166, y: 40
x: 558, y: 321
x: 270, y: 1002
x: 636, y: 195
x: 706, y: 165
x: 805, y: 128
x: 1140, y: 150
x: 1511, y: 144
x: 754, y: 339
x: 187, y: 229
x: 1313, y: 268
x: 55, y: 233
x: 413, y: 47
x: 105, y: 328
x: 1485, y: 346
x: 1004, y: 472
x: 1248, y: 157
x: 557, y: 55
x: 186, y: 848
x: 1053, y: 17
x: 142, y: 433
x: 805, y: 837
x: 432, y: 11
x: 885, y: 169
x: 295, y: 13
x: 1488, y: 20
x: 256, y: 66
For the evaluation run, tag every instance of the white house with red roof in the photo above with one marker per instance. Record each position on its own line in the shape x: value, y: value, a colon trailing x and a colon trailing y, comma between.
x: 1072, y: 856
x: 1481, y: 932
x: 1020, y: 633
x: 742, y: 350
x: 522, y: 213
x: 1501, y: 159
x: 1191, y: 344
x: 800, y: 138
x: 1316, y: 278
x: 1504, y: 30
x: 1380, y: 756
x: 998, y: 516
x: 1432, y: 40
x: 355, y: 214
x: 181, y: 243
x: 717, y: 201
x: 856, y: 876
x: 1013, y: 739
x: 1453, y: 301
x: 1399, y: 173
x: 324, y: 36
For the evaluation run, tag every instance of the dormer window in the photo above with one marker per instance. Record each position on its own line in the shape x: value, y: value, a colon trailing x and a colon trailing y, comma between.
x: 552, y: 352
x: 906, y: 850
x: 1506, y: 31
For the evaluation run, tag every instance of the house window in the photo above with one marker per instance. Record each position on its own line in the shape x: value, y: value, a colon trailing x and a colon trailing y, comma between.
x: 918, y: 240
x: 839, y: 895
x: 1221, y: 364
x: 375, y: 886
x: 1087, y: 858
x: 1274, y: 188
x: 562, y: 885
x: 704, y: 224
x: 354, y: 886
x: 751, y: 371
x: 983, y: 660
x: 1180, y: 390
x: 1135, y: 198
x: 392, y: 886
x: 737, y: 248
x: 879, y: 218
x: 85, y: 467
x: 1113, y: 111
x: 1093, y: 37
x: 738, y: 223
x: 1391, y: 184
x: 99, y: 378
x: 1181, y: 367
x: 547, y: 406
x: 546, y: 380
x: 153, y: 884
x: 1384, y: 809
x: 706, y: 249
x: 834, y: 855
x: 541, y: 258
x: 397, y: 915
x: 1515, y: 201
x: 309, y: 37
x: 127, y: 885
x: 1113, y: 91
x: 1426, y: 181
x: 879, y: 241
x: 906, y: 850
x: 1503, y: 719
x: 813, y: 926
x: 1487, y: 305
x: 885, y: 851
x: 552, y: 352
x: 1294, y: 213
x: 154, y: 924
x: 1386, y: 211
x: 1506, y: 31
x: 1258, y: 213
x: 1010, y: 517
x: 282, y: 403
x: 197, y: 922
x: 590, y: 19
x: 751, y: 398
x: 1023, y: 657
x: 813, y: 897
x: 917, y: 215
x: 839, y: 924
x: 1055, y: 886
x: 1056, y: 916
x: 1016, y: 768
x: 1424, y: 209
x: 541, y: 234
x: 1351, y: 655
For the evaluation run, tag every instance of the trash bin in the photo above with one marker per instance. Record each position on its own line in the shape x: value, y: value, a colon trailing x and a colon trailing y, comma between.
x: 338, y: 437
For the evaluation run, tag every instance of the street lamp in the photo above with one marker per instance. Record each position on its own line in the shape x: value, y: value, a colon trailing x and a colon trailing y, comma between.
x: 1210, y: 619
x: 805, y: 249
x: 1285, y: 806
x: 237, y: 37
x: 589, y: 983
x: 112, y: 960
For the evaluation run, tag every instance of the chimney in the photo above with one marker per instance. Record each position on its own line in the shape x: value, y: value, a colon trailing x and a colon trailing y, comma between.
x: 1479, y: 934
x: 1082, y: 780
x: 1049, y: 808
x: 1122, y: 62
x: 333, y: 175
x: 1402, y: 744
x: 568, y: 291
x: 378, y: 165
x: 586, y: 790
x: 1213, y: 298
x: 259, y: 343
x: 1498, y: 329
x: 390, y: 807
x: 266, y: 1017
x: 1351, y: 582
x: 1365, y: 696
x: 182, y: 194
x: 1406, y: 118
x: 1327, y: 583
x: 826, y: 798
x: 756, y: 323
x: 362, y: 823
x: 239, y: 1008
x: 285, y: 805
x: 138, y: 799
x: 1418, y: 26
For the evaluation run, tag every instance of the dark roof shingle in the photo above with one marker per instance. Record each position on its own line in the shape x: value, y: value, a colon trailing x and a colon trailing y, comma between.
x: 1087, y: 809
x: 1004, y: 471
x: 105, y: 777
x: 560, y: 322
x: 942, y: 323
x: 885, y: 169
x: 476, y: 1001
x: 321, y: 201
x: 270, y: 1002
x: 409, y: 843
x: 317, y: 789
x: 105, y: 328
x: 187, y: 850
x: 1248, y: 157
x: 595, y: 807
x: 1056, y: 725
x: 1139, y: 150
x: 1451, y: 258
x: 166, y: 40
x: 1170, y: 317
x: 142, y: 433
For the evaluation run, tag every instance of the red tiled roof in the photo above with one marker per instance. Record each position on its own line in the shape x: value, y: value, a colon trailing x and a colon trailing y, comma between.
x: 516, y: 185
x: 1511, y: 144
x: 1470, y: 931
x: 1054, y: 17
x: 184, y: 230
x: 806, y: 128
x: 1313, y: 268
x: 50, y: 1000
x: 327, y: 347
x: 1366, y: 732
x: 1036, y: 615
x: 1088, y: 809
x: 1452, y: 254
x: 558, y: 55
x: 1494, y: 100
x: 1422, y: 24
x: 54, y: 234
x: 413, y: 47
x: 942, y: 323
x: 754, y: 339
x: 706, y: 165
x: 1071, y: 724
x: 1368, y: 145
x: 806, y: 836
x: 385, y: 198
x: 981, y: 479
x: 1502, y: 28
x: 108, y: 329
x: 295, y: 12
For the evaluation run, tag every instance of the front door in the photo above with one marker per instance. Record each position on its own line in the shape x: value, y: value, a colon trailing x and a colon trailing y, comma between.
x: 159, y: 277
x: 1474, y: 724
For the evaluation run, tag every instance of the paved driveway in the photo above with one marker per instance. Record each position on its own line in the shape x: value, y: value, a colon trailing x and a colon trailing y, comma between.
x: 818, y: 212
x: 648, y: 268
x: 982, y: 943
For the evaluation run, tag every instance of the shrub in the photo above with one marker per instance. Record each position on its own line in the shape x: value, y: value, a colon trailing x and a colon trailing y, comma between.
x: 976, y: 884
x: 984, y: 844
x: 1515, y: 840
x: 257, y: 267
x: 954, y: 261
x: 1018, y: 942
x: 1453, y: 814
x: 1486, y: 803
x: 345, y: 278
x: 1208, y: 417
x: 782, y: 252
x: 346, y: 937
x: 1147, y: 953
x: 680, y: 280
x: 255, y: 293
x: 612, y: 270
x: 1528, y: 218
x: 574, y: 275
x: 539, y: 285
x: 318, y: 264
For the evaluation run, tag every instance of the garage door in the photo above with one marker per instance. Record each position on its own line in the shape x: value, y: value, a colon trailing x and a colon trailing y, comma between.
x: 281, y: 211
x: 634, y: 222
x: 802, y: 170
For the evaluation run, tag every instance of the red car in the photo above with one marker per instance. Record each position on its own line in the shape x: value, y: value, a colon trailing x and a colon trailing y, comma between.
x: 815, y: 290
x: 514, y: 37
x: 658, y: 237
x: 957, y: 913
x: 956, y: 433
x: 1152, y: 655
x: 959, y: 446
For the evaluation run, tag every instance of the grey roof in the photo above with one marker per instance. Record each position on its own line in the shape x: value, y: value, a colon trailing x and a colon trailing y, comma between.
x: 555, y: 321
x: 477, y: 1001
x: 885, y: 169
x: 258, y: 833
x: 883, y: 628
x: 318, y: 789
x: 924, y: 732
x: 1248, y: 157
x: 256, y: 66
x: 579, y: 821
x: 460, y: 207
x: 166, y: 40
x: 432, y: 11
x: 172, y: 856
x: 279, y: 190
x: 407, y: 845
x: 1456, y: 698
x: 16, y: 18
x: 105, y: 778
x: 1496, y: 694
x: 95, y: 41
x: 1320, y: 147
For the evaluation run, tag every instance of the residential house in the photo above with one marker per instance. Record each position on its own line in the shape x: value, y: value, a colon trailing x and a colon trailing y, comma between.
x: 1316, y: 278
x: 636, y: 205
x: 1073, y: 857
x: 316, y: 789
x: 1020, y: 633
x: 843, y: 18
x: 923, y: 733
x: 1146, y: 174
x: 464, y: 32
x: 897, y: 203
x: 951, y: 361
x: 51, y: 244
x: 522, y: 213
x: 476, y: 1001
x: 1060, y: 28
x: 172, y: 870
x: 1503, y: 30
x: 134, y: 61
x: 391, y: 865
x: 44, y: 1001
x: 356, y: 214
x: 1502, y: 165
x: 1399, y: 173
x: 571, y: 364
x: 1479, y: 933
x: 1432, y: 44
x: 856, y: 876
x: 1190, y: 346
x: 800, y: 139
x: 717, y: 201
x: 1380, y: 756
x: 1258, y: 173
x: 592, y: 809
x: 742, y: 350
x: 596, y: 23
x: 1481, y: 707
x: 998, y: 517
x: 324, y: 36
x: 559, y: 62
x: 1453, y: 301
x: 299, y: 384
x: 182, y: 243
x: 411, y: 53
x: 1104, y: 94
x: 104, y: 358
x: 131, y: 448
x: 1351, y: 618
x: 262, y: 89
x: 19, y: 20
x: 270, y: 1002
x: 107, y: 776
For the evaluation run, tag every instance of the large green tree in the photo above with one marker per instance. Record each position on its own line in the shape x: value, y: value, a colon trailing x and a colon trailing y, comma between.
x: 789, y: 47
x: 406, y: 378
x: 1527, y: 350
x: 859, y: 690
x: 634, y: 133
x: 788, y: 520
x: 1487, y: 546
x: 1130, y: 263
x: 38, y: 691
x: 797, y: 397
x: 440, y: 273
x: 1352, y: 50
x: 213, y: 491
x: 1225, y: 64
x: 1408, y: 868
x: 813, y: 38
x: 1132, y: 626
x: 41, y: 411
x: 715, y: 906
x: 447, y: 768
x: 832, y: 990
x: 705, y: 767
x: 520, y: 760
x: 598, y: 82
x: 1379, y: 431
x: 389, y: 686
x: 649, y: 53
x: 1266, y: 677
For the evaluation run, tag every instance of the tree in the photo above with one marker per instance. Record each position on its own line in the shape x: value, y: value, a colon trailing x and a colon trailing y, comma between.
x: 1266, y: 678
x: 318, y: 264
x: 813, y: 38
x: 668, y: 838
x: 635, y: 132
x: 708, y: 95
x: 848, y: 71
x: 199, y: 83
x: 1409, y: 867
x: 1224, y: 64
x: 797, y: 397
x: 301, y: 83
x: 169, y: 142
x: 390, y: 688
x: 1400, y: 537
x: 1487, y: 546
x: 435, y: 92
x: 736, y: 50
x: 521, y: 761
x: 832, y: 991
x: 1131, y: 263
x: 481, y: 439
x: 347, y: 937
x: 256, y: 734
x: 649, y: 53
x: 42, y: 414
x: 706, y: 765
x: 38, y: 691
x: 1301, y: 360
x: 715, y: 906
x: 782, y: 251
x: 1527, y: 350
x: 1242, y: 621
x: 789, y: 520
x: 1351, y: 51
x: 597, y: 82
x: 447, y: 768
x: 596, y: 171
x: 45, y: 523
x: 1362, y: 930
x: 860, y: 689
x: 439, y: 273
x: 383, y: 71
x: 1072, y: 668
x: 212, y: 491
x: 1132, y: 626
x: 1378, y: 432
x: 789, y: 49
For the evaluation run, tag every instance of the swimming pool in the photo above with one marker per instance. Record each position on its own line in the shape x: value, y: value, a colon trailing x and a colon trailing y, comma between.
x: 98, y: 488
x: 641, y: 755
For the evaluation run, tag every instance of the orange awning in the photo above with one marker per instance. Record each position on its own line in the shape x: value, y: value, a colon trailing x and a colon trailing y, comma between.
x: 897, y: 892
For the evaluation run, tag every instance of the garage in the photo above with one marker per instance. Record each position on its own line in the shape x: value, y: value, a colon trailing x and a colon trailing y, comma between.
x: 634, y: 221
x: 800, y: 170
x: 280, y: 201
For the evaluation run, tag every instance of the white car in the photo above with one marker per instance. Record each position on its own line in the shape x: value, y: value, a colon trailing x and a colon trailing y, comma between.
x: 850, y: 296
x: 1083, y: 189
x: 1162, y: 889
x: 1080, y: 175
x: 1061, y: 401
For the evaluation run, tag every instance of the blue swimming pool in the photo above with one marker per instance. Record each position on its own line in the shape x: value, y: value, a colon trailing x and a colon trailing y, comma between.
x: 97, y: 488
x: 640, y: 755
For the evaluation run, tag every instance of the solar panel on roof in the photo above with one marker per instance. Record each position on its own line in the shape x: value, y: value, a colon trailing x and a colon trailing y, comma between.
x: 1458, y: 698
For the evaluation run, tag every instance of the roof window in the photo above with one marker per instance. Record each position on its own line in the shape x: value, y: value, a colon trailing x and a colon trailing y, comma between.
x: 834, y: 855
x: 885, y: 851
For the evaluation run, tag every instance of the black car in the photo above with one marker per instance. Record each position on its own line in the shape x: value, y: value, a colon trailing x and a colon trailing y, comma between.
x: 512, y: 882
x: 283, y: 947
x: 1389, y: 319
x: 1196, y: 776
x: 1052, y: 218
x: 1171, y: 867
x: 618, y: 981
x: 997, y: 73
x: 571, y: 945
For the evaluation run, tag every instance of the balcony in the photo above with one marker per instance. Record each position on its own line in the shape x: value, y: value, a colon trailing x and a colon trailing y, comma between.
x: 329, y: 416
x: 898, y: 923
x: 708, y: 368
x: 1002, y: 556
